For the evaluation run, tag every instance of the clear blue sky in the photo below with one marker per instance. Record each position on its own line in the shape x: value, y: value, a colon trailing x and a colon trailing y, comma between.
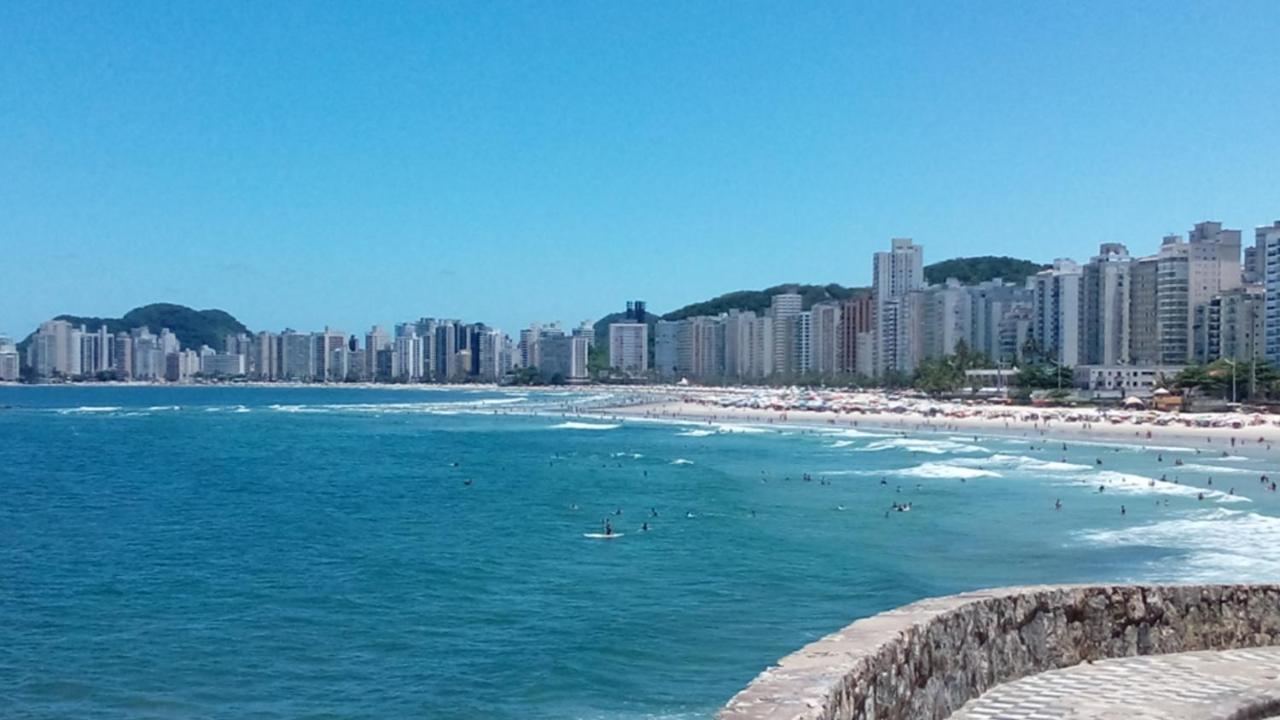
x: 302, y: 164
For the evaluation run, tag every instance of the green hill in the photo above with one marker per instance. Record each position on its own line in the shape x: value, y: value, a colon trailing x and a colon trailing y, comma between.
x: 193, y: 327
x: 973, y: 270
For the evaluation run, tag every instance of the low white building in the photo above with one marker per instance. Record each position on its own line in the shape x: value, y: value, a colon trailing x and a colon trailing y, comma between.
x: 1121, y: 381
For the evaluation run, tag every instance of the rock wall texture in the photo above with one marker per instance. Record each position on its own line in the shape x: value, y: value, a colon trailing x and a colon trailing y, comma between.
x: 925, y: 660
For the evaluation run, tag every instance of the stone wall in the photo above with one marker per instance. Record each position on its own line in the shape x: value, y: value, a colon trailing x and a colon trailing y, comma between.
x: 925, y: 660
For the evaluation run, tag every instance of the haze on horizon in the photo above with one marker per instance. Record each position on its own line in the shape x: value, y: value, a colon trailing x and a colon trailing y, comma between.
x: 349, y: 165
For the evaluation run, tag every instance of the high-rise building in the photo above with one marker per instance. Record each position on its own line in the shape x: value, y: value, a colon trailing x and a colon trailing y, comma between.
x: 945, y: 320
x: 586, y: 330
x: 784, y: 308
x: 1231, y: 325
x: 992, y: 302
x: 826, y: 341
x: 857, y: 335
x: 1105, y: 314
x: 1166, y: 289
x: 739, y: 338
x: 666, y: 348
x: 801, y: 332
x: 148, y: 355
x: 122, y: 358
x: 55, y: 350
x: 323, y: 347
x: 1144, y: 324
x: 266, y: 360
x: 489, y: 354
x: 297, y: 359
x: 894, y: 274
x: 375, y: 341
x: 1056, y: 327
x: 1268, y: 250
x: 629, y: 347
x: 9, y: 360
x: 564, y: 357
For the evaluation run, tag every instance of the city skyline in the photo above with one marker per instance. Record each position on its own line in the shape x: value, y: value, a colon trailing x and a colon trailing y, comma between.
x: 230, y: 158
x: 1122, y: 321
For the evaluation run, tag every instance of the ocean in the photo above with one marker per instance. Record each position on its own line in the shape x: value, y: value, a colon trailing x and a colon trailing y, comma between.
x: 224, y: 552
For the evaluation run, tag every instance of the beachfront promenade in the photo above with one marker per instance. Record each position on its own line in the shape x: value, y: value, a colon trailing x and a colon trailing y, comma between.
x: 1170, y: 651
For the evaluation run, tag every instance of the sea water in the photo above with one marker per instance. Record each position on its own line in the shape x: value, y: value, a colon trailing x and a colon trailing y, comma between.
x: 348, y: 553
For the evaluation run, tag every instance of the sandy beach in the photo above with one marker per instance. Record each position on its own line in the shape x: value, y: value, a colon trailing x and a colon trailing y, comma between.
x: 708, y: 406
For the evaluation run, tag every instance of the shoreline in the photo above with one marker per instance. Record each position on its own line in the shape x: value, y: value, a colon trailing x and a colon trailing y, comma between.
x: 1212, y: 440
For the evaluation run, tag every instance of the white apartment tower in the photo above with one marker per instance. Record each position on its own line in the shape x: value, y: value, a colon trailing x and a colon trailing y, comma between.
x: 1104, y: 298
x: 1056, y: 324
x: 1268, y: 247
x: 629, y: 347
x: 784, y: 308
x: 894, y: 274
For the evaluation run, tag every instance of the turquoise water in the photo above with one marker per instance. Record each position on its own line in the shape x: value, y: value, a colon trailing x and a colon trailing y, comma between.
x: 291, y: 553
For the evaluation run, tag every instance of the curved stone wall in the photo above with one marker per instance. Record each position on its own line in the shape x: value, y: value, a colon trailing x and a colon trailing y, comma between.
x: 925, y: 660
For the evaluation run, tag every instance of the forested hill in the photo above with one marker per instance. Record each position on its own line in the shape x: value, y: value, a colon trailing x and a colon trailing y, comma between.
x: 973, y: 270
x: 193, y: 327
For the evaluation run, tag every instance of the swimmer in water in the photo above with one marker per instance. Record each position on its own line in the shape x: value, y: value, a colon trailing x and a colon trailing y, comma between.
x: 1122, y: 510
x: 644, y: 527
x: 653, y: 512
x: 1057, y: 504
x: 608, y: 528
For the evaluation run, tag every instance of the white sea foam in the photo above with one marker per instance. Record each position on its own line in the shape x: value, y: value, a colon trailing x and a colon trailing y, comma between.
x: 298, y: 409
x: 852, y: 433
x: 1021, y: 462
x: 681, y: 461
x: 632, y: 455
x: 572, y: 425
x: 89, y: 409
x: 696, y: 433
x: 944, y: 471
x: 1222, y: 545
x: 841, y: 443
x: 933, y: 447
x: 1129, y: 484
x: 1198, y: 467
x: 162, y: 408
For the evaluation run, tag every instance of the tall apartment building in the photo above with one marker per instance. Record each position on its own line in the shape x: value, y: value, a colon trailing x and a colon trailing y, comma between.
x: 895, y: 274
x: 563, y: 356
x: 1166, y: 289
x: 1056, y: 316
x: 945, y: 315
x: 1231, y: 325
x: 9, y: 360
x: 666, y: 348
x: 801, y: 355
x: 55, y: 350
x: 857, y: 335
x: 1268, y: 251
x: 784, y: 308
x: 122, y: 359
x: 1104, y: 307
x: 826, y: 339
x: 297, y: 361
x: 629, y: 347
x: 995, y: 307
x: 376, y: 341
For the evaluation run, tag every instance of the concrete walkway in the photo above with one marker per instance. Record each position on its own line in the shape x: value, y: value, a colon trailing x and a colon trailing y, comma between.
x: 1213, y: 684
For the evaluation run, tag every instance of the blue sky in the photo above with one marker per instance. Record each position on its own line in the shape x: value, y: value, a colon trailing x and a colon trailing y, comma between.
x: 302, y: 164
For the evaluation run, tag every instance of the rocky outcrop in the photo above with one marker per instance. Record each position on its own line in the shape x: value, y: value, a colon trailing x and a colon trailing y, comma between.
x: 925, y: 660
